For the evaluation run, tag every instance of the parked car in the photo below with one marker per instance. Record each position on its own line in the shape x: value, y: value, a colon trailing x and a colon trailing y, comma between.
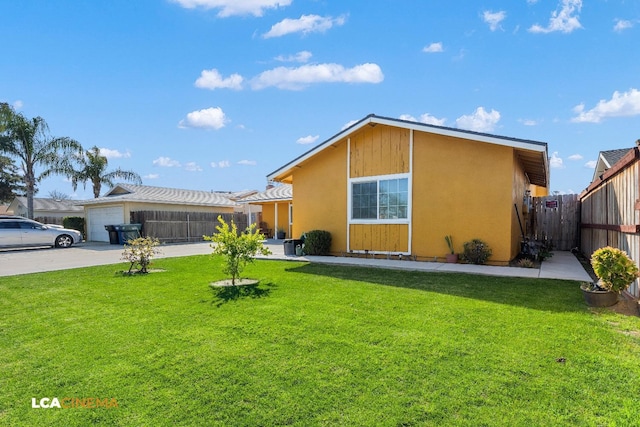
x: 22, y: 232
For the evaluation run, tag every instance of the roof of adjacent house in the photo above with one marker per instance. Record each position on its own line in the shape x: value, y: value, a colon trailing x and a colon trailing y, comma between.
x: 281, y: 192
x: 48, y: 204
x: 608, y: 158
x: 532, y: 154
x: 149, y: 194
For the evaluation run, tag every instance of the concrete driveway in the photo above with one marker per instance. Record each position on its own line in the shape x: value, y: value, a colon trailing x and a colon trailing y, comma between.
x: 13, y: 262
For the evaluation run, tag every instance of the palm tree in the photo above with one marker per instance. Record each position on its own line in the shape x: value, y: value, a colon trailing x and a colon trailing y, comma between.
x: 29, y: 142
x: 93, y: 167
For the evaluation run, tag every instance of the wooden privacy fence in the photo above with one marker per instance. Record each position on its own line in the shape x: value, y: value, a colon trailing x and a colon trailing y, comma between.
x: 556, y: 218
x: 611, y: 211
x: 173, y: 227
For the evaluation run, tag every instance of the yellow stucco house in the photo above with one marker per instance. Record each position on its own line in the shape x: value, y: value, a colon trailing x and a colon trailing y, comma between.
x: 392, y: 187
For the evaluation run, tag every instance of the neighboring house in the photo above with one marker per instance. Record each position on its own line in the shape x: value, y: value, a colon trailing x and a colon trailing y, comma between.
x: 393, y: 187
x: 610, y: 207
x: 115, y: 206
x: 276, y: 206
x: 606, y: 159
x: 46, y: 209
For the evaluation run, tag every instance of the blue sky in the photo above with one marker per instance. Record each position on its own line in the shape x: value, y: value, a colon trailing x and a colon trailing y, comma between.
x: 216, y: 94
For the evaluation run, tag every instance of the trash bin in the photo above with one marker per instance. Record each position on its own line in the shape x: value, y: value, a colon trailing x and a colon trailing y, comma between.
x: 290, y: 246
x: 113, y: 234
x: 127, y: 232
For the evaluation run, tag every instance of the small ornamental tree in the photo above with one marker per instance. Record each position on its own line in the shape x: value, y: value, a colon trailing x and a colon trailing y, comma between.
x: 139, y: 252
x: 238, y: 249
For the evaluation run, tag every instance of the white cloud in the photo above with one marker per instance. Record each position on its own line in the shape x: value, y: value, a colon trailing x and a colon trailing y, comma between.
x: 17, y: 104
x: 210, y: 118
x: 166, y: 162
x: 555, y: 162
x: 564, y: 19
x: 234, y: 7
x: 302, y: 56
x: 424, y: 118
x: 192, y: 167
x: 528, y: 122
x: 303, y: 76
x: 433, y: 48
x: 151, y: 176
x: 575, y: 157
x: 621, y: 25
x: 212, y: 79
x: 307, y: 139
x: 494, y: 18
x: 479, y: 121
x: 620, y: 105
x: 591, y: 164
x: 114, y: 154
x: 305, y: 24
x: 349, y: 124
x: 220, y: 164
x: 248, y: 162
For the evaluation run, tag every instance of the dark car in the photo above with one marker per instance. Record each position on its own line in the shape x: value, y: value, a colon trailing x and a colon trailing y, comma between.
x: 17, y: 231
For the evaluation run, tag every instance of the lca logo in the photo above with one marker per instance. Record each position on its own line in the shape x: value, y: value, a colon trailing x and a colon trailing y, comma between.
x: 73, y: 402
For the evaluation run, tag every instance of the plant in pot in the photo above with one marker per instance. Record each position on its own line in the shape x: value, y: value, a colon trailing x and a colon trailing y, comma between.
x: 615, y: 271
x: 281, y: 234
x: 452, y: 256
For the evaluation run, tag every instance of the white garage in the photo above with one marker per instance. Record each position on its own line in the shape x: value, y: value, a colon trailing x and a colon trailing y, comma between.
x: 97, y: 218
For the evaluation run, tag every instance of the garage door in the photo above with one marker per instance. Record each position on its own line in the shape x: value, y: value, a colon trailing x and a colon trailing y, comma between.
x: 97, y: 218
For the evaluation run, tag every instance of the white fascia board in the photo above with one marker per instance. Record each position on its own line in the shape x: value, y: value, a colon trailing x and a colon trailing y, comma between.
x: 420, y: 127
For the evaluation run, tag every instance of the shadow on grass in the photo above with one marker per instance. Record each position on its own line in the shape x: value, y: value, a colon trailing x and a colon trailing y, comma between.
x: 225, y: 294
x: 539, y: 294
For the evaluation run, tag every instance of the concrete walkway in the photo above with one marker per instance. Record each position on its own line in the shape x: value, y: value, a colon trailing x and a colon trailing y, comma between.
x: 563, y: 265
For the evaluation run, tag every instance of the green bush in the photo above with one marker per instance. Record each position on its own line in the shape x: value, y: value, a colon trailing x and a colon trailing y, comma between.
x: 476, y: 252
x: 238, y: 249
x: 614, y: 268
x: 317, y: 242
x: 74, y: 223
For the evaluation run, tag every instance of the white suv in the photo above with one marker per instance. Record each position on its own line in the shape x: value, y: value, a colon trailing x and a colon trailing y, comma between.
x: 17, y: 231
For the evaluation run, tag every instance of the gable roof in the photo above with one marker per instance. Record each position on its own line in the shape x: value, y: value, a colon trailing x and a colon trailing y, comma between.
x: 48, y: 204
x: 175, y: 196
x: 532, y: 154
x: 282, y: 192
x: 608, y: 158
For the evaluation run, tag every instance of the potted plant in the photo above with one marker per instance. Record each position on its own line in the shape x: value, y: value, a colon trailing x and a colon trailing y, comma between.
x: 280, y: 233
x: 451, y: 257
x: 615, y: 271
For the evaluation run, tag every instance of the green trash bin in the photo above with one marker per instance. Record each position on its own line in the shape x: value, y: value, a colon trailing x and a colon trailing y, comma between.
x: 127, y: 232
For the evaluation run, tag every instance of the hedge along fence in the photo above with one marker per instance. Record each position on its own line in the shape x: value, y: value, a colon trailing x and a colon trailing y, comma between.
x: 173, y: 227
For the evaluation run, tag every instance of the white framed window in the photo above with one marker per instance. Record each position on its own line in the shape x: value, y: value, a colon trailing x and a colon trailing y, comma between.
x: 379, y: 199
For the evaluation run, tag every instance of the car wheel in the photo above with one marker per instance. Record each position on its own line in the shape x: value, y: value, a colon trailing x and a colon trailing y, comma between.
x: 63, y: 241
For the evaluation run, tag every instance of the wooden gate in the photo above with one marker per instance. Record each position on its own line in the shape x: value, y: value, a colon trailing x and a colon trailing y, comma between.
x: 556, y: 218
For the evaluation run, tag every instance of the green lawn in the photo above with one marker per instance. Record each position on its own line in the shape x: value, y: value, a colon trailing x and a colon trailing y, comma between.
x: 312, y: 345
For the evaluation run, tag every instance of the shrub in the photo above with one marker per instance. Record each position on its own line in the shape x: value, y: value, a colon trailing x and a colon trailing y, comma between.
x: 317, y: 242
x: 526, y: 263
x: 476, y: 252
x: 237, y: 249
x: 74, y: 223
x: 614, y: 268
x: 139, y: 252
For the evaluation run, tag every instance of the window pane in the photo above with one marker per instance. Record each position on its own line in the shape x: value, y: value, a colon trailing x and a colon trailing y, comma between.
x: 393, y: 196
x: 364, y: 200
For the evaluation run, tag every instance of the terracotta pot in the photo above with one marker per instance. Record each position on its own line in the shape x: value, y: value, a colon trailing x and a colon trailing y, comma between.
x: 599, y: 298
x: 452, y: 258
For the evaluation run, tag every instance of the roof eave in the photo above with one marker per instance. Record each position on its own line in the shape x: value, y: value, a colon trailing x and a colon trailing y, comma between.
x: 286, y: 170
